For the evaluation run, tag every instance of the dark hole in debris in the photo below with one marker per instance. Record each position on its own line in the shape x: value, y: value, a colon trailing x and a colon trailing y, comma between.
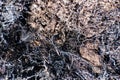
x: 106, y: 58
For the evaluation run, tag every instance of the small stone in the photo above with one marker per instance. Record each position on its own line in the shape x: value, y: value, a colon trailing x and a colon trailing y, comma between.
x: 97, y: 70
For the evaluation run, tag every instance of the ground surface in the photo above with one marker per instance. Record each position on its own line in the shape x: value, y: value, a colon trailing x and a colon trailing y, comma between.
x: 59, y: 40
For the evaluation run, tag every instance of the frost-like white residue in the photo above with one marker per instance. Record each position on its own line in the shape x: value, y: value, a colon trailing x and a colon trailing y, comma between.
x: 9, y: 13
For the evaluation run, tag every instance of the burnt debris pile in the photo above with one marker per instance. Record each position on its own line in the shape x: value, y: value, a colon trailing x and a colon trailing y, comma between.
x: 59, y: 40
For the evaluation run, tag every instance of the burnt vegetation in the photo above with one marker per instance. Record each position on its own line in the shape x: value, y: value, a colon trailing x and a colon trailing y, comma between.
x: 59, y: 40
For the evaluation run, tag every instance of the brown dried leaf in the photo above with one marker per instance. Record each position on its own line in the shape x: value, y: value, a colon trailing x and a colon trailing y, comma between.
x: 90, y: 55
